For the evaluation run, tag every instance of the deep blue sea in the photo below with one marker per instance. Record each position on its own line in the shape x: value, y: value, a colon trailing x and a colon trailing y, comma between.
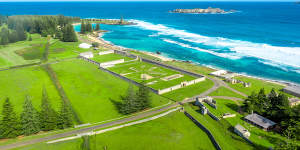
x: 262, y: 39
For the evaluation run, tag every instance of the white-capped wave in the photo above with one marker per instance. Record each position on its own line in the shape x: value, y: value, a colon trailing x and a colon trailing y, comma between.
x: 280, y: 55
x: 202, y: 50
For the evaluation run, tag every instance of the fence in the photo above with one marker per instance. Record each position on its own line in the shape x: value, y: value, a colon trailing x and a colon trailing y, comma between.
x: 211, y: 137
x: 181, y: 85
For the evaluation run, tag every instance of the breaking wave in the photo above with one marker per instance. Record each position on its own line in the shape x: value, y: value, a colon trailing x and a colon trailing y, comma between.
x: 234, y: 48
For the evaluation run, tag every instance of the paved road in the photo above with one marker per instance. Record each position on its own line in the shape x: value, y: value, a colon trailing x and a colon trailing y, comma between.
x: 88, y: 129
x: 227, y: 97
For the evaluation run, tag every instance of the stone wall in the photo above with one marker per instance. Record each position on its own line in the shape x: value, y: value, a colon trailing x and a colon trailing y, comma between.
x: 181, y: 85
x: 211, y: 137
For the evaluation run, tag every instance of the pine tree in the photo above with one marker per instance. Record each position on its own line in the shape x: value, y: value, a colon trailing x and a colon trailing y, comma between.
x: 29, y: 118
x: 143, y: 97
x: 10, y: 126
x: 69, y: 34
x: 82, y: 28
x: 128, y: 105
x: 30, y: 38
x: 4, y: 36
x: 88, y: 27
x: 21, y: 33
x: 97, y: 27
x: 48, y: 117
x: 65, y: 116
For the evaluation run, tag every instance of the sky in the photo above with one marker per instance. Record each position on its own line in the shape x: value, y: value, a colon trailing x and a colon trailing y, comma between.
x: 144, y: 0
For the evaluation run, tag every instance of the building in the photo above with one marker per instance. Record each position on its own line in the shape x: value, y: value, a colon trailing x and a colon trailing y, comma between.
x: 85, y: 45
x: 231, y: 80
x: 294, y: 101
x: 87, y: 54
x: 247, y: 84
x: 241, y: 131
x: 106, y: 52
x: 219, y: 73
x: 260, y: 121
x: 293, y: 90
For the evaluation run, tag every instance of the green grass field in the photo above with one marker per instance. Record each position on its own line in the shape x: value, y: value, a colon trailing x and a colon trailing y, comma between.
x: 222, y: 91
x: 91, y: 90
x: 189, y: 91
x: 109, y: 57
x: 221, y: 131
x: 63, y: 50
x: 256, y: 85
x: 18, y: 83
x: 22, y: 52
x: 259, y: 137
x: 172, y: 132
x: 133, y: 70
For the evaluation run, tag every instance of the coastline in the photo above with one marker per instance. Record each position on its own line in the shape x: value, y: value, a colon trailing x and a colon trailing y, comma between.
x: 102, y: 41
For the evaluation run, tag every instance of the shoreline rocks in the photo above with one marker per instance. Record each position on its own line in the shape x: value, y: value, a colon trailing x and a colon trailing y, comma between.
x: 209, y: 10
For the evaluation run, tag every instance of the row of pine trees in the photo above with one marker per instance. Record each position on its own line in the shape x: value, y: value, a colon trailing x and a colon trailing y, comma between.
x: 88, y: 27
x: 32, y: 121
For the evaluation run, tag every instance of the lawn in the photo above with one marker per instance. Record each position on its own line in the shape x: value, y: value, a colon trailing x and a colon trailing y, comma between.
x: 261, y: 138
x: 172, y: 132
x: 109, y: 57
x: 22, y: 52
x: 18, y: 83
x: 221, y: 130
x: 222, y: 91
x: 91, y: 90
x: 189, y: 91
x: 256, y: 85
x: 133, y: 70
x: 63, y: 50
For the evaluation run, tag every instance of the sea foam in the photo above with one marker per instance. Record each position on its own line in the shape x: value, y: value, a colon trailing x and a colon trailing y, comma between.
x: 236, y: 48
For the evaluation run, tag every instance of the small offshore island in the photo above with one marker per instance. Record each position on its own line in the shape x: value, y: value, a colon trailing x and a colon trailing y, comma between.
x: 209, y: 10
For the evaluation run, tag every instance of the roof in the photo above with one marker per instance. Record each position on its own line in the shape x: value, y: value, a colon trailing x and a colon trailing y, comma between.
x: 219, y: 72
x: 293, y: 88
x: 86, y: 53
x: 260, y: 120
x: 85, y: 45
x: 241, y: 128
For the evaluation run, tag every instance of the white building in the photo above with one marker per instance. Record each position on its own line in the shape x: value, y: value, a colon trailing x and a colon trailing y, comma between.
x: 87, y: 54
x: 241, y: 131
x: 85, y: 45
x: 106, y: 52
x: 219, y: 73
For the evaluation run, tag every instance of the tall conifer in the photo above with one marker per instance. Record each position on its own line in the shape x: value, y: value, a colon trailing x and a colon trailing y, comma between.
x: 10, y: 126
x: 29, y: 118
x: 48, y: 116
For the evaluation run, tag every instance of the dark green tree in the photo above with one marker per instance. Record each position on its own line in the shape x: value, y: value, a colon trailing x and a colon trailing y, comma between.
x: 10, y: 125
x: 21, y: 33
x: 143, y: 99
x: 97, y: 27
x: 65, y: 119
x: 30, y: 38
x: 4, y: 36
x: 13, y: 36
x: 88, y: 27
x: 69, y: 34
x: 82, y: 28
x: 29, y: 118
x: 48, y: 116
x: 128, y: 104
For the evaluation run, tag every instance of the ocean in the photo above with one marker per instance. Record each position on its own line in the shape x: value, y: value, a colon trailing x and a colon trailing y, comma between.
x: 261, y: 39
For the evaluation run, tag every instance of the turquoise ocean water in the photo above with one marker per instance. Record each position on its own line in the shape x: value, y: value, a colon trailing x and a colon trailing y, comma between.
x: 261, y: 39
